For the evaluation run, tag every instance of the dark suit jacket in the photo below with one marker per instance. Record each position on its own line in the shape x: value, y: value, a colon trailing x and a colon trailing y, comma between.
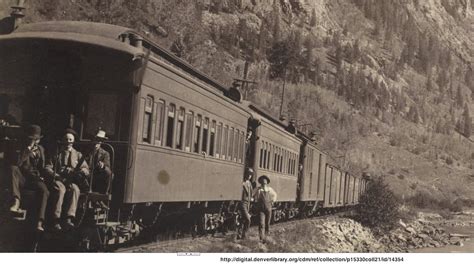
x: 25, y: 165
x: 102, y: 156
x: 59, y: 162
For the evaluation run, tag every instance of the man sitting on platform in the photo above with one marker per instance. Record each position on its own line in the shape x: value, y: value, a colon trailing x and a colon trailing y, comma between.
x: 29, y: 171
x: 67, y: 168
x: 99, y: 162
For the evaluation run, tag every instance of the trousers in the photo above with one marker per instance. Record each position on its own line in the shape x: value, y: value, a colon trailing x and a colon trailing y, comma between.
x: 244, y: 212
x: 71, y: 193
x: 265, y: 215
x: 19, y: 182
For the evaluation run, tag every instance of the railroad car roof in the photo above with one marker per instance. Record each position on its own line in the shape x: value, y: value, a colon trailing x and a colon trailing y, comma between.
x: 103, y: 35
x: 95, y: 34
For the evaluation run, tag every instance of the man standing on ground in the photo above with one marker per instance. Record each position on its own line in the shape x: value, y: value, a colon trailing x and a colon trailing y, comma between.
x: 265, y: 196
x: 246, y: 201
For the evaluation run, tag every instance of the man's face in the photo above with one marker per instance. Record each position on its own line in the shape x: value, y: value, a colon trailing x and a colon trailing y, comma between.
x: 37, y: 141
x: 264, y: 182
x: 31, y: 142
x: 69, y: 139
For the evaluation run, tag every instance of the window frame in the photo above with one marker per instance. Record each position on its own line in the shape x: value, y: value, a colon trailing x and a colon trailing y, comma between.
x: 160, y: 122
x: 171, y: 113
x: 148, y: 112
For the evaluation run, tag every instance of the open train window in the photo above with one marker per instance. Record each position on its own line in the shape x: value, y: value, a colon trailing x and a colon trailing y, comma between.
x: 160, y: 120
x: 267, y: 164
x: 231, y: 144
x: 205, y: 135
x: 212, y: 140
x: 179, y: 129
x: 261, y: 156
x: 277, y: 160
x: 147, y: 120
x: 189, y: 131
x: 170, y: 125
x: 264, y: 155
x: 226, y: 140
x: 274, y: 161
x: 236, y: 144
x: 197, y: 133
x: 241, y: 146
x: 219, y: 139
x: 281, y: 161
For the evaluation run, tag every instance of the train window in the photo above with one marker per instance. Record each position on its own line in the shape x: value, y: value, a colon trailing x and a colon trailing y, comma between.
x: 264, y: 147
x: 205, y: 135
x: 289, y: 162
x: 189, y: 131
x: 160, y: 111
x: 268, y: 156
x: 231, y: 144
x: 292, y: 164
x: 197, y: 133
x: 213, y: 139
x: 170, y: 125
x: 236, y: 145
x: 281, y: 161
x: 219, y: 139
x: 179, y: 129
x: 275, y: 156
x: 147, y: 120
x: 284, y: 161
x: 261, y: 156
x: 274, y: 164
x: 241, y: 147
x: 226, y: 139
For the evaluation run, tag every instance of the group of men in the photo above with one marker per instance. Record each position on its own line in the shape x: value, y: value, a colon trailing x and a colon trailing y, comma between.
x: 63, y: 174
x: 263, y: 197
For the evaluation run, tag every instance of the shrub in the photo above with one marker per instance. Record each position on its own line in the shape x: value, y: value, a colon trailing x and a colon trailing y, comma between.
x: 424, y: 200
x: 378, y: 207
x: 449, y: 160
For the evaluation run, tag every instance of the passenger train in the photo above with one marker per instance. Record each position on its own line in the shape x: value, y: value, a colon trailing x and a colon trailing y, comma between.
x: 180, y: 140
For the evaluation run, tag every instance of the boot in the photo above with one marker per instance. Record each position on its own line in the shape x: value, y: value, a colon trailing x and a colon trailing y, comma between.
x: 16, y: 206
x: 69, y: 224
x: 40, y: 227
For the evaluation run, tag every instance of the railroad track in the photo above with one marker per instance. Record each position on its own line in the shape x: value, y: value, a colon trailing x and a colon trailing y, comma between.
x: 147, y: 246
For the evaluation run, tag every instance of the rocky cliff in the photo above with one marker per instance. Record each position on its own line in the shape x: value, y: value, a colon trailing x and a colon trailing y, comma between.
x: 387, y: 85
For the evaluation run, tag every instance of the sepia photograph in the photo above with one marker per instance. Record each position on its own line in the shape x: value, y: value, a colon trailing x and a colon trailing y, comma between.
x: 240, y: 128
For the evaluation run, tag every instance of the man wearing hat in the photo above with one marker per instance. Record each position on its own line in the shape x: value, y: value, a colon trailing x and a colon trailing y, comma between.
x: 265, y: 196
x: 29, y: 171
x: 66, y: 167
x: 245, y: 202
x: 99, y: 162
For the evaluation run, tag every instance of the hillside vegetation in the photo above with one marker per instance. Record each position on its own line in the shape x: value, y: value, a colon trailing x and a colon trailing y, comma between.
x: 388, y: 86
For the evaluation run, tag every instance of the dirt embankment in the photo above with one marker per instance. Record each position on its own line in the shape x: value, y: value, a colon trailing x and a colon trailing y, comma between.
x: 330, y: 235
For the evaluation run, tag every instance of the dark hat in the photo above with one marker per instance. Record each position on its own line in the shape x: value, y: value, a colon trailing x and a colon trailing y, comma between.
x: 71, y: 131
x: 33, y: 132
x: 260, y: 179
